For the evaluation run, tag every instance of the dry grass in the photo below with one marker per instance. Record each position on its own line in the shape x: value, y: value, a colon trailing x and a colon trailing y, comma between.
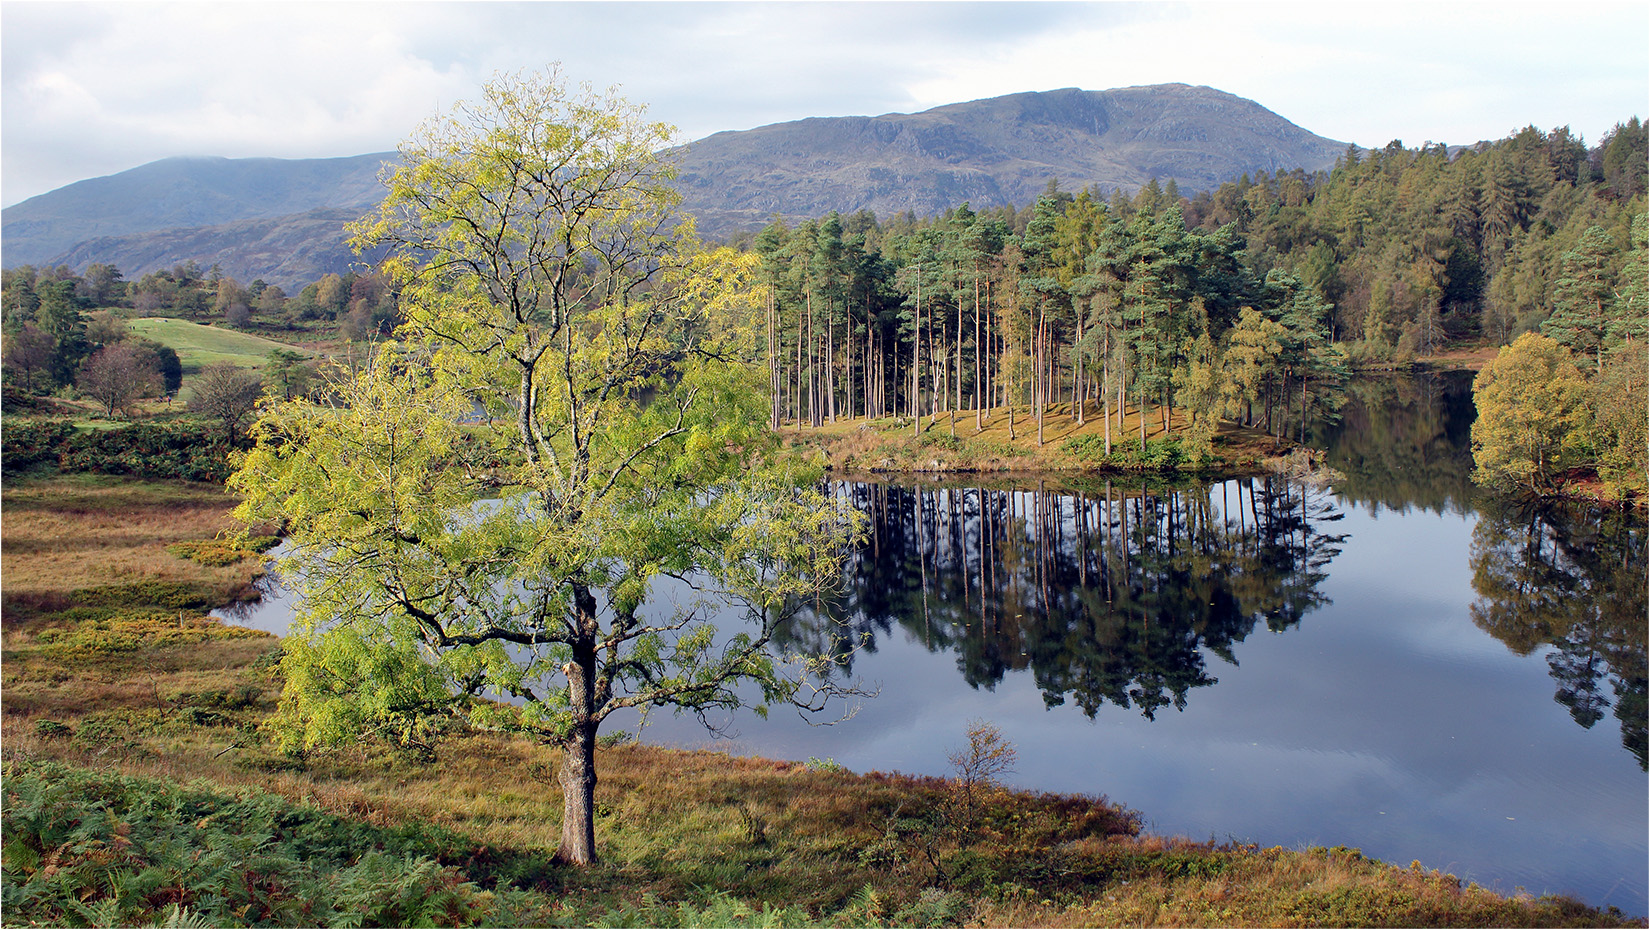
x: 1471, y: 358
x: 71, y: 533
x: 891, y: 444
x: 172, y: 694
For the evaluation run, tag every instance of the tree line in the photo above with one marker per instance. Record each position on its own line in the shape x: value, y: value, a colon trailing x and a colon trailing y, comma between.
x: 1248, y: 302
x: 1102, y: 311
x: 65, y: 329
x: 1418, y: 246
x: 60, y: 314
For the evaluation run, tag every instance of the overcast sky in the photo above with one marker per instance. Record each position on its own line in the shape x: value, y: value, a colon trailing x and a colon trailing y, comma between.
x: 95, y: 88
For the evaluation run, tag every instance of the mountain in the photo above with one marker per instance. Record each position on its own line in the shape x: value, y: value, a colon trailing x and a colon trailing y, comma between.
x: 185, y: 193
x: 1003, y: 150
x: 282, y: 220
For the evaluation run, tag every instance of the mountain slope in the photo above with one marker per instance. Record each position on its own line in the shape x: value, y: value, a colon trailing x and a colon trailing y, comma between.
x: 1002, y: 150
x: 184, y: 193
x: 281, y: 220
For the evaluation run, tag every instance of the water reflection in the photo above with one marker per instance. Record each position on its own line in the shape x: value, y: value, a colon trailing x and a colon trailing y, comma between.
x: 1108, y: 594
x: 1563, y: 577
x: 1403, y: 442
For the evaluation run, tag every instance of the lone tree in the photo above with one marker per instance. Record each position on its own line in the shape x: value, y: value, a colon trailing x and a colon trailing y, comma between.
x: 574, y: 550
x: 228, y: 394
x: 117, y: 376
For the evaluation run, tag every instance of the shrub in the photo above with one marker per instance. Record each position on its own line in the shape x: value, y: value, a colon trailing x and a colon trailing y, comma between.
x: 218, y: 552
x: 85, y: 848
x: 31, y: 442
x: 51, y: 729
x: 148, y: 450
x: 1160, y: 454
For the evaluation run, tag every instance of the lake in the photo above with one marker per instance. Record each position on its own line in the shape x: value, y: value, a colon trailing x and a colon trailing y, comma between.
x: 1398, y: 663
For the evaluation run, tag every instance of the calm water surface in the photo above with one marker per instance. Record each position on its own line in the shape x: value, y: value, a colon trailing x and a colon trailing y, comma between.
x: 1394, y: 664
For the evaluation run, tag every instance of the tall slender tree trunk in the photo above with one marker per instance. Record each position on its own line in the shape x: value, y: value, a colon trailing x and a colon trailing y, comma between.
x: 813, y: 366
x: 830, y: 358
x: 979, y: 357
x: 870, y: 354
x: 1137, y: 381
x: 1078, y: 394
x: 800, y: 332
x: 916, y: 361
x: 958, y: 405
x: 1039, y: 385
x: 848, y: 372
x: 1105, y: 375
x: 775, y: 391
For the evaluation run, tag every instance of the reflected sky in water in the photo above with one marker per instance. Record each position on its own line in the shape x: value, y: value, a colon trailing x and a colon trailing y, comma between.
x: 1386, y: 721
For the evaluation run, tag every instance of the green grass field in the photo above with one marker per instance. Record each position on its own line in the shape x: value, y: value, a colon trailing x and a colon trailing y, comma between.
x: 199, y: 346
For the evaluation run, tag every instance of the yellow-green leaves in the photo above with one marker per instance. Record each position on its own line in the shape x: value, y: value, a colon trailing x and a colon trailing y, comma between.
x: 1532, y: 411
x: 573, y: 425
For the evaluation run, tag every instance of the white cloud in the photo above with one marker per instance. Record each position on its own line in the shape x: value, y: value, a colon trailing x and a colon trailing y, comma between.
x: 93, y: 88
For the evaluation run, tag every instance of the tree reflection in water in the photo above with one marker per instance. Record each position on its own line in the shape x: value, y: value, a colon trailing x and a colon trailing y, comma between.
x: 1574, y: 580
x: 1109, y: 594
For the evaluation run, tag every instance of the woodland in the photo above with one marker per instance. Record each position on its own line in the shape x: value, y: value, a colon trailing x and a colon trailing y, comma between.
x: 1251, y: 302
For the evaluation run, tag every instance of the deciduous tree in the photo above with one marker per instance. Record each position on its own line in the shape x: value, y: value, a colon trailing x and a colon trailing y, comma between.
x: 574, y: 552
x: 117, y: 375
x: 1532, y: 410
x: 228, y: 394
x: 29, y: 350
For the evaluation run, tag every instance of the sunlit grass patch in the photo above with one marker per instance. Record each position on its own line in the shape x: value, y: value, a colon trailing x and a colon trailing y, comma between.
x: 199, y: 346
x: 93, y: 639
x: 74, y: 540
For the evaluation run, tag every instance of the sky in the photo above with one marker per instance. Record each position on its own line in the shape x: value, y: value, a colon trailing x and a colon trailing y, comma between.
x: 90, y: 89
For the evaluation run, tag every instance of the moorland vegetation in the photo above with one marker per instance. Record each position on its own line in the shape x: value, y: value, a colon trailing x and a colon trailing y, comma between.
x: 648, y: 447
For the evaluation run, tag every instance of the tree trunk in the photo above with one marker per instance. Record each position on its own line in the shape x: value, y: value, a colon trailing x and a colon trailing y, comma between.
x: 578, y: 792
x: 916, y: 360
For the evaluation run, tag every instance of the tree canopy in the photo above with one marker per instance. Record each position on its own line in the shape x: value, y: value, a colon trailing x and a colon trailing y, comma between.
x: 561, y: 478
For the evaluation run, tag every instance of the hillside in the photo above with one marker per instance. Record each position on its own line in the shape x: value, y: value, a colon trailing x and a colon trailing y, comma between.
x: 185, y: 193
x: 199, y: 346
x: 281, y: 220
x: 290, y: 250
x: 1002, y: 150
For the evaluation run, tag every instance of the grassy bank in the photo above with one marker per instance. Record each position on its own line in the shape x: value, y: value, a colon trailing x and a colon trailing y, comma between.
x: 199, y: 346
x: 139, y: 788
x: 991, y: 443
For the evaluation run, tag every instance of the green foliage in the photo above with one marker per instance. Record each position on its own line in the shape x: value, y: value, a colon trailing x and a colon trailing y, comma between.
x: 109, y: 850
x: 30, y: 442
x: 1532, y: 415
x: 1160, y: 454
x: 544, y: 275
x: 1619, y: 399
x: 51, y: 729
x: 142, y: 450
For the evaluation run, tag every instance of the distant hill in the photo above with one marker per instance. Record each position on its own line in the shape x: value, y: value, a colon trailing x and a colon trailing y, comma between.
x: 185, y: 193
x: 1003, y: 150
x: 282, y: 220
